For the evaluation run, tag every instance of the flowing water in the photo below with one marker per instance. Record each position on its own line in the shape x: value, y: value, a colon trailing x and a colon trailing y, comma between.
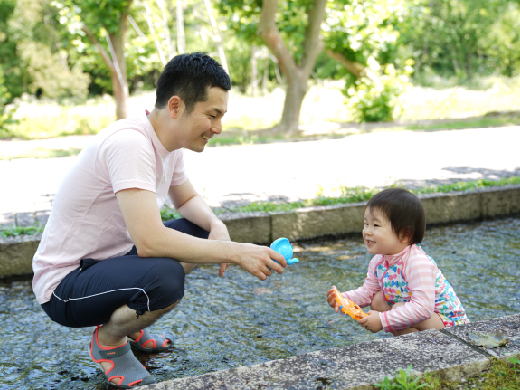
x: 238, y: 320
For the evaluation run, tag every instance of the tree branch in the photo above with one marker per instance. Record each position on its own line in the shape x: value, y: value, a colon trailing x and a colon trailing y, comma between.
x: 102, y: 51
x: 120, y: 76
x: 356, y: 68
x: 216, y: 35
x: 268, y: 30
x: 313, y: 46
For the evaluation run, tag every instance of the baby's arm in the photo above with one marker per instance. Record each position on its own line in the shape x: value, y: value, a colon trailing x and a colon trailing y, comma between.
x: 363, y: 295
x: 420, y: 273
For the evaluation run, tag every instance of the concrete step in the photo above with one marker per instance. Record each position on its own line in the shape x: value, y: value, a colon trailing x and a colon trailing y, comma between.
x: 448, y: 352
x: 309, y: 222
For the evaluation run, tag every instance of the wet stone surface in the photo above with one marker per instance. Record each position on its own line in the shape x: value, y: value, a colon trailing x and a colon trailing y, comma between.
x: 506, y: 329
x: 237, y: 320
x: 352, y: 367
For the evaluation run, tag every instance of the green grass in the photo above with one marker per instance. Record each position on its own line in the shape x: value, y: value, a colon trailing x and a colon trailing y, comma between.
x: 58, y: 123
x: 19, y: 230
x: 501, y: 375
x: 468, y: 185
x: 466, y: 124
x: 362, y: 194
x: 45, y: 153
x: 348, y: 195
x: 247, y: 115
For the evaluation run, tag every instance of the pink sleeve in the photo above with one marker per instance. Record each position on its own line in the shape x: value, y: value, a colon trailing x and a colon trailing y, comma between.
x: 420, y: 273
x: 362, y: 296
x: 179, y: 174
x: 128, y: 159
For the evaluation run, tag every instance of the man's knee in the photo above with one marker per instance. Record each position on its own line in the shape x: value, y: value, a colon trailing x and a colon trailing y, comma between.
x: 169, y: 277
x: 163, y: 285
x: 188, y: 267
x: 184, y: 226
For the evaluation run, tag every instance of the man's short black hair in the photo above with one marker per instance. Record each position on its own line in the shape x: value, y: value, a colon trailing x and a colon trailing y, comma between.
x: 189, y: 76
x: 404, y: 210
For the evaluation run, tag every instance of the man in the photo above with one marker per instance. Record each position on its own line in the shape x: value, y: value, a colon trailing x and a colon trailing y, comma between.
x: 106, y: 259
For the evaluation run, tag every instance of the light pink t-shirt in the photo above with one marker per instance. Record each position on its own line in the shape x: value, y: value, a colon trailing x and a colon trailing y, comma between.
x: 86, y: 222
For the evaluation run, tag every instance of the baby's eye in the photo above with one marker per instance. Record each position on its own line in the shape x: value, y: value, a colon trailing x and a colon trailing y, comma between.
x: 376, y: 225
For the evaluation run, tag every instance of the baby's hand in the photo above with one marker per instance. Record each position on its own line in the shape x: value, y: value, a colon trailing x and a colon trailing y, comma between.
x: 372, y: 322
x: 331, y: 298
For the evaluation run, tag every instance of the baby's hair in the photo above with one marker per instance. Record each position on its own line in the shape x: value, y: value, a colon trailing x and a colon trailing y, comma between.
x: 404, y: 210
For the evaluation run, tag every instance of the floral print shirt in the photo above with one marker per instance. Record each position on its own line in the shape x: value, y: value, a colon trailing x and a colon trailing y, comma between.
x: 413, y: 277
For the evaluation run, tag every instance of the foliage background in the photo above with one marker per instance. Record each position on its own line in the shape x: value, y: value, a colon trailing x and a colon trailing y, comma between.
x: 435, y: 44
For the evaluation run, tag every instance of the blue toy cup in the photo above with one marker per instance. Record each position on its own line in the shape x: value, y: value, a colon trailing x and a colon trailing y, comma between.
x: 283, y: 247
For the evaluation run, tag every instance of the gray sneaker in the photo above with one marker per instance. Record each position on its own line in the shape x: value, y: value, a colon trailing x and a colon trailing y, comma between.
x: 154, y: 342
x: 125, y: 365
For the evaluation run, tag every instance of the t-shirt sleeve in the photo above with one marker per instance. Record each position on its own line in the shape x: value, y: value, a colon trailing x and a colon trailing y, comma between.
x: 127, y: 157
x: 179, y: 174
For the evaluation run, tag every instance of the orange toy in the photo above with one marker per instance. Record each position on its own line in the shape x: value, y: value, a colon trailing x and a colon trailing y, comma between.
x: 348, y: 307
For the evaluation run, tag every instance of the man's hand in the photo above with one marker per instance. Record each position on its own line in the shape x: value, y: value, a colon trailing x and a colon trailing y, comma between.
x: 219, y: 232
x: 372, y: 322
x: 258, y: 260
x: 331, y: 298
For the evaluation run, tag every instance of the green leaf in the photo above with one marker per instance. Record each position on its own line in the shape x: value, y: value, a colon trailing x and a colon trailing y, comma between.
x: 488, y: 340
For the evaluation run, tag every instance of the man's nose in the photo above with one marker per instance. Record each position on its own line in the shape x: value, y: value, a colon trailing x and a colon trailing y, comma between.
x: 217, y: 128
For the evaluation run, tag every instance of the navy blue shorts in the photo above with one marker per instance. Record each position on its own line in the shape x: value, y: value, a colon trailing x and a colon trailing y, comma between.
x: 90, y: 294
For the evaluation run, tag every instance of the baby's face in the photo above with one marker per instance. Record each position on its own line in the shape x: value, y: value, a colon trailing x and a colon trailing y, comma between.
x: 378, y: 235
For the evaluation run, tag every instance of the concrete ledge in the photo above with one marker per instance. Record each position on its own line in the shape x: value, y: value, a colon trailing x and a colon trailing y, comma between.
x: 311, y: 222
x: 510, y: 326
x: 360, y: 366
x: 16, y: 254
x: 316, y: 221
x: 248, y: 227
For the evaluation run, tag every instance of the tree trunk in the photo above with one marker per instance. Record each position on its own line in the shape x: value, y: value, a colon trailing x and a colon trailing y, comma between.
x: 265, y: 78
x: 181, y: 43
x: 253, y: 81
x: 116, y: 62
x: 169, y: 42
x: 119, y: 75
x: 296, y: 91
x: 217, y: 38
x: 120, y: 95
x: 295, y: 75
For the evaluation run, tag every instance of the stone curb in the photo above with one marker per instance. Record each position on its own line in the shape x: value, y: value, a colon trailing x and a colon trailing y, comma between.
x: 358, y: 367
x: 310, y: 222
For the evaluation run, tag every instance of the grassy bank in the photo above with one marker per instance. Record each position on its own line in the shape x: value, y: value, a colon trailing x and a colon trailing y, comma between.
x: 501, y: 375
x: 349, y: 195
x: 323, y: 113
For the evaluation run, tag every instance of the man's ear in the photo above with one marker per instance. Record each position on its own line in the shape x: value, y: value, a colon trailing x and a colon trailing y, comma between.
x: 175, y: 106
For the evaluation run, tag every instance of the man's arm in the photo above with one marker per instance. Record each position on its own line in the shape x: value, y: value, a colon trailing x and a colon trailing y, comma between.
x: 153, y: 239
x: 192, y: 206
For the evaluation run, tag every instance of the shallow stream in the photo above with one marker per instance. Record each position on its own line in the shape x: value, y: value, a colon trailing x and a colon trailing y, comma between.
x: 238, y: 320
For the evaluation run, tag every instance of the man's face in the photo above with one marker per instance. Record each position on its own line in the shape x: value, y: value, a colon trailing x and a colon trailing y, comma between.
x: 204, y: 121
